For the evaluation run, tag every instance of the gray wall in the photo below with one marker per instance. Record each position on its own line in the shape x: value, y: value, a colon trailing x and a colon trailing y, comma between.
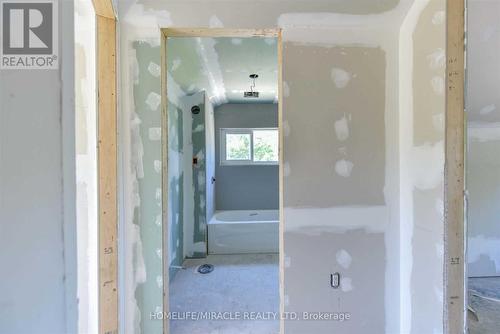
x: 37, y: 194
x: 245, y: 187
x: 483, y: 162
x: 209, y: 157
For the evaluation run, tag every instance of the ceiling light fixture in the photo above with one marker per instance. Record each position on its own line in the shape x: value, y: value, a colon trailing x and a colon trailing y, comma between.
x: 252, y: 93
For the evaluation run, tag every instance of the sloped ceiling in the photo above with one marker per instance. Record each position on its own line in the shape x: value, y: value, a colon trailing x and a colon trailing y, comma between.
x: 222, y: 66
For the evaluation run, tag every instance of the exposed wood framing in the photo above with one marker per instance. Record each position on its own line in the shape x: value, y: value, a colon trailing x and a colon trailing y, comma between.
x: 454, y: 291
x: 209, y: 32
x: 107, y: 166
x: 164, y: 178
x: 281, y: 183
x: 218, y: 32
x: 104, y: 8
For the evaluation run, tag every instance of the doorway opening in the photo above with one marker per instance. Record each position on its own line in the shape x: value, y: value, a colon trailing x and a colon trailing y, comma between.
x: 222, y: 180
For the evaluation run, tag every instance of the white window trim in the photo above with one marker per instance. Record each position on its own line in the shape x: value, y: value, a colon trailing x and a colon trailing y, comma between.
x: 249, y: 131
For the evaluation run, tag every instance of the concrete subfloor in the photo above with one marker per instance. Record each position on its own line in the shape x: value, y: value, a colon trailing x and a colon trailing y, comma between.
x: 239, y: 283
x: 484, y: 298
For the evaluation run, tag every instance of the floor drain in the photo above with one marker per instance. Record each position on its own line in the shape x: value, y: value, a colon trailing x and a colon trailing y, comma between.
x: 205, y: 268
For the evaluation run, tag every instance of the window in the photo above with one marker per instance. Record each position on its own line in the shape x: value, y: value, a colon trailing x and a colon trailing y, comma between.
x: 249, y: 146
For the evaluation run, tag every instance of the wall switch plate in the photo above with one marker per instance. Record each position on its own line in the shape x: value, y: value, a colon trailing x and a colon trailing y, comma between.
x: 335, y: 280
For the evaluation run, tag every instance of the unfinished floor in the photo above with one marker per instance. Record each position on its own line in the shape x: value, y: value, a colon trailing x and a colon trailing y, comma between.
x: 239, y: 283
x: 484, y: 299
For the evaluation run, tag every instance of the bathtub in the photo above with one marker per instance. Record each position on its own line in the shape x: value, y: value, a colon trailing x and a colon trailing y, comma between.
x: 243, y: 232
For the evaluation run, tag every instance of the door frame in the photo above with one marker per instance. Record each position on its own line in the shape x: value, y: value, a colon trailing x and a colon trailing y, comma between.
x: 107, y: 165
x: 213, y: 33
x: 455, y: 281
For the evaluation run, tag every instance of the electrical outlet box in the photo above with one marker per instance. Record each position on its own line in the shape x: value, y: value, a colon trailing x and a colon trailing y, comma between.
x: 335, y: 280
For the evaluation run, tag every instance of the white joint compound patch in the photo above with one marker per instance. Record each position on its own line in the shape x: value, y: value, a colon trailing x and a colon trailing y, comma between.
x: 210, y: 60
x: 201, y: 156
x: 439, y: 206
x: 158, y: 220
x: 236, y: 41
x: 269, y: 41
x: 137, y: 148
x: 154, y: 69
x: 344, y: 167
x: 215, y: 22
x: 201, y: 180
x: 288, y: 261
x: 344, y: 259
x: 437, y: 59
x: 176, y: 63
x: 438, y: 85
x: 199, y: 128
x: 159, y: 280
x: 439, y: 17
x: 286, y: 89
x: 154, y: 134
x: 159, y: 253
x: 286, y: 169
x: 428, y: 165
x: 340, y: 77
x: 153, y: 100
x: 346, y: 284
x: 286, y: 128
x: 438, y: 122
x: 342, y: 128
x: 157, y: 166
x: 488, y: 109
x: 158, y: 194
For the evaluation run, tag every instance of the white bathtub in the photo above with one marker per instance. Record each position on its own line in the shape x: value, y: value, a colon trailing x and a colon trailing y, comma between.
x: 243, y: 232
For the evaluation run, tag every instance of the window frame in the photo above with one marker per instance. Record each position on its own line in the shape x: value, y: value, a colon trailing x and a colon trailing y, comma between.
x: 250, y: 162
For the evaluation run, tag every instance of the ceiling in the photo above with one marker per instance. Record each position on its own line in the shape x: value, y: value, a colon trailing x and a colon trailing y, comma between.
x: 221, y: 66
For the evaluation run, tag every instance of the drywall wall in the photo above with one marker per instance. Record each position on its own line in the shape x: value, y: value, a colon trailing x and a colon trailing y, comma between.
x: 245, y: 187
x: 422, y: 107
x: 143, y: 238
x: 355, y: 151
x: 86, y: 165
x: 38, y: 293
x: 197, y: 246
x: 209, y: 159
x: 483, y: 184
x: 483, y: 113
x: 176, y: 172
x: 423, y: 168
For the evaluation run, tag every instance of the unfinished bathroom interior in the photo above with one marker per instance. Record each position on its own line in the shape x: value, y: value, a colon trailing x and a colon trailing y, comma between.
x: 223, y: 189
x: 354, y: 211
x: 362, y: 175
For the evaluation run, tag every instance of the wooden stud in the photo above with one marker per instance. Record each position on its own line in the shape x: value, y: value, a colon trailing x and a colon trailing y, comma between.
x: 454, y: 261
x: 104, y: 8
x: 281, y: 182
x: 218, y: 32
x: 164, y: 177
x: 107, y: 171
